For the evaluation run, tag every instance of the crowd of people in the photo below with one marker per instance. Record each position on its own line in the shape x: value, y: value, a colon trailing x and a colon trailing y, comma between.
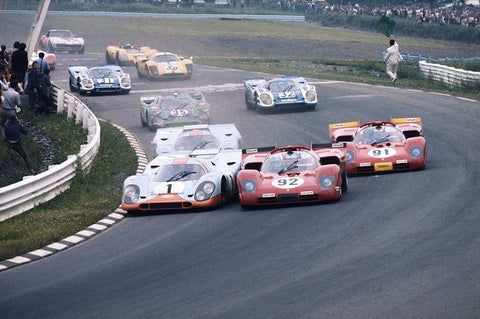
x: 458, y: 14
x: 17, y: 78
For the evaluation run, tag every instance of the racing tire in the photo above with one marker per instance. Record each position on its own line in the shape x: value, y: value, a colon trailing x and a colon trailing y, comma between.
x: 344, y: 182
x: 224, y: 194
x: 310, y: 107
x: 150, y: 127
x: 144, y: 124
x: 125, y: 91
x: 50, y: 48
x: 139, y: 74
x: 72, y: 89
x: 248, y: 104
x: 82, y: 50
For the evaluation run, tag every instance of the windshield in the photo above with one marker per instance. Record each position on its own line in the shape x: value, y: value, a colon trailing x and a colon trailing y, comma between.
x: 100, y: 73
x: 165, y: 58
x: 290, y: 162
x: 177, y: 103
x: 61, y: 33
x: 378, y: 134
x: 190, y: 143
x: 277, y: 86
x: 184, y: 172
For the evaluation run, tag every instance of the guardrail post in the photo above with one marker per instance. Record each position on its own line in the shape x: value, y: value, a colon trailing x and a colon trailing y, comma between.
x: 60, y: 101
x: 79, y: 111
x: 70, y: 106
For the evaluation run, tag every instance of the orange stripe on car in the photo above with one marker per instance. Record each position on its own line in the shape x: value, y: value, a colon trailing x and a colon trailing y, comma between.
x: 180, y: 161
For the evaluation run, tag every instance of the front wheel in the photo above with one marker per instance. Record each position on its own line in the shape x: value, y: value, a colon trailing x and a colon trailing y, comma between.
x: 82, y: 50
x: 50, y: 48
x: 144, y: 124
x: 249, y: 105
x: 72, y: 89
x: 344, y: 182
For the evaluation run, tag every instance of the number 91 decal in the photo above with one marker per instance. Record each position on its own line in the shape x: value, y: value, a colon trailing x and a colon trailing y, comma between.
x: 382, y: 152
x: 287, y: 182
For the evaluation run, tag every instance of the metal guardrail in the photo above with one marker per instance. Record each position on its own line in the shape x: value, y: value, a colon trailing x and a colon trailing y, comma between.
x: 281, y: 18
x: 448, y: 74
x: 419, y: 57
x: 33, y: 190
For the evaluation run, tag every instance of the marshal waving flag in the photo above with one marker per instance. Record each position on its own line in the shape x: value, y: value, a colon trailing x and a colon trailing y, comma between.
x: 385, y: 25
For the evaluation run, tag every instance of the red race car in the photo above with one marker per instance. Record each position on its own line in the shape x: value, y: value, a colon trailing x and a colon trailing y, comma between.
x: 291, y: 174
x: 381, y: 146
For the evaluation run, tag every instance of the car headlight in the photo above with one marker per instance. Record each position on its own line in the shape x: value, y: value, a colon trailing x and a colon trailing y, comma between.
x: 326, y: 181
x: 266, y: 99
x: 350, y: 156
x: 87, y: 83
x: 249, y: 186
x: 125, y: 82
x: 153, y: 70
x: 131, y: 194
x: 415, y: 152
x: 204, y: 191
x: 310, y: 96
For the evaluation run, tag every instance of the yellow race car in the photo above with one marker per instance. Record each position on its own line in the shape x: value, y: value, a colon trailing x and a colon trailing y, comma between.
x: 164, y: 65
x: 127, y: 54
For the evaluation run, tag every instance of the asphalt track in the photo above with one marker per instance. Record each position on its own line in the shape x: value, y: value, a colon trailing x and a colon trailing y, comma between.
x: 403, y: 245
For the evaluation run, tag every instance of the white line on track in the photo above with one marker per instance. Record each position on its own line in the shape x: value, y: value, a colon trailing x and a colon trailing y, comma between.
x: 207, y: 88
x: 465, y: 99
x: 354, y: 96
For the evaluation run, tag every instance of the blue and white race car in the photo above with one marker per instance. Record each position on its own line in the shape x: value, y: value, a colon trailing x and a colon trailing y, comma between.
x: 106, y: 78
x: 286, y: 92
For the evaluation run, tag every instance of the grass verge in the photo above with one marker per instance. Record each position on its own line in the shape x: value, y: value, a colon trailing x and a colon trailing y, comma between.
x: 49, y: 141
x: 90, y: 198
x: 370, y: 72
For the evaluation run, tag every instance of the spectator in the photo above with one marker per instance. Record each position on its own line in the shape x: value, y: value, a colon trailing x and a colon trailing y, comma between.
x: 44, y: 101
x: 392, y: 58
x: 10, y: 104
x: 13, y: 131
x: 42, y: 64
x: 20, y: 63
x: 32, y: 86
x: 4, y: 59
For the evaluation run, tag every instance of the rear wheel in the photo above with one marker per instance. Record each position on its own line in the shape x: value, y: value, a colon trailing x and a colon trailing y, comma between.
x: 82, y: 50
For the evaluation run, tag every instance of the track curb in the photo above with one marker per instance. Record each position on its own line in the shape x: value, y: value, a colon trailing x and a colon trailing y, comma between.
x: 91, y: 231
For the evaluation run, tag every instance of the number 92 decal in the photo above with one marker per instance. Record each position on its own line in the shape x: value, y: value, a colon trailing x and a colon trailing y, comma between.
x: 287, y: 182
x: 382, y: 152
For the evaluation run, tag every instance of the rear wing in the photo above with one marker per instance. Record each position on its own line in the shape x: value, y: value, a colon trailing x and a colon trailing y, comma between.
x: 149, y: 100
x: 252, y: 158
x: 410, y: 126
x: 296, y: 78
x: 343, y: 132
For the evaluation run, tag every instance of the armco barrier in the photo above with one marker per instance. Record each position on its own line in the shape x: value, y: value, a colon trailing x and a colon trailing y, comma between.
x: 33, y: 190
x: 449, y: 75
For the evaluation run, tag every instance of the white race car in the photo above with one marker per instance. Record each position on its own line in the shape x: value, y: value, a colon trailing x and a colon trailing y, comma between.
x: 212, y: 139
x: 176, y: 182
x: 106, y: 78
x: 62, y: 40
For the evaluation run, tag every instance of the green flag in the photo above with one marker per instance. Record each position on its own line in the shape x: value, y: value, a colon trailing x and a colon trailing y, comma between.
x: 385, y: 25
